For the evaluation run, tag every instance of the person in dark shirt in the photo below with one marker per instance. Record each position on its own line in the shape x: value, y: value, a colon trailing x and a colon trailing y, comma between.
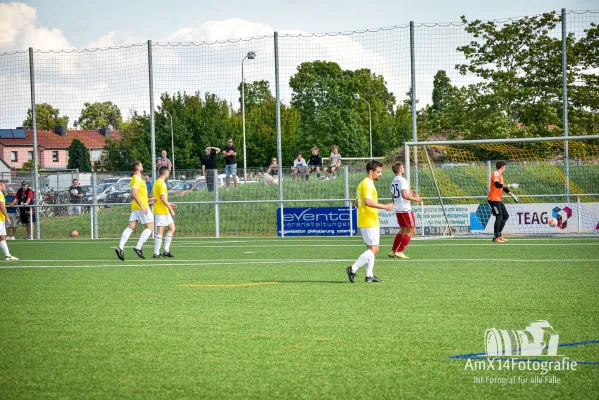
x: 24, y: 197
x: 230, y: 154
x: 209, y: 165
x: 314, y: 163
x: 75, y: 197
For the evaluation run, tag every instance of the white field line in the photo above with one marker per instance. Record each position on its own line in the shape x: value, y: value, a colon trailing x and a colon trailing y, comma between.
x: 303, y: 240
x: 254, y: 246
x: 204, y: 263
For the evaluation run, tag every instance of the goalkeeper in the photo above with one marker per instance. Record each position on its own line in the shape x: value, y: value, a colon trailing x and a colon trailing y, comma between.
x: 496, y: 189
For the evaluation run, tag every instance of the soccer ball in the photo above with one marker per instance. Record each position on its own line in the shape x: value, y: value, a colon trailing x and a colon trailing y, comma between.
x: 552, y: 222
x: 75, y: 234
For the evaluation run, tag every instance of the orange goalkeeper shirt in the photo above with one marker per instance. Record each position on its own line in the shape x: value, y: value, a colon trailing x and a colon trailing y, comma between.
x: 495, y: 193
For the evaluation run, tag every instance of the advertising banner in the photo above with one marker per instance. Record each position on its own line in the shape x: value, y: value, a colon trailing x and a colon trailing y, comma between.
x: 316, y: 221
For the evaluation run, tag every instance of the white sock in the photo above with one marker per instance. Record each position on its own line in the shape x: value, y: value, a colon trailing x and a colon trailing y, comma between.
x: 363, y: 259
x: 167, y: 242
x: 124, y: 237
x: 142, y: 238
x: 370, y: 266
x: 4, y: 248
x: 157, y: 243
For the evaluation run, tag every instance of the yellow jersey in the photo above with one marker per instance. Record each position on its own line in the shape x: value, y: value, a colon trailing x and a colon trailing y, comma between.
x: 158, y: 190
x: 368, y: 217
x: 142, y: 191
x: 3, y: 200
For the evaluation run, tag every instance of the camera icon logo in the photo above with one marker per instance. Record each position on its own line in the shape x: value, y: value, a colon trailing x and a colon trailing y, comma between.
x: 537, y: 339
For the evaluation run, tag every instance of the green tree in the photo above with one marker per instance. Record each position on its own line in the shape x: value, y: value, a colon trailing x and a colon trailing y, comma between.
x: 27, y: 166
x: 134, y: 144
x: 47, y: 117
x: 79, y: 157
x: 520, y: 65
x: 99, y: 115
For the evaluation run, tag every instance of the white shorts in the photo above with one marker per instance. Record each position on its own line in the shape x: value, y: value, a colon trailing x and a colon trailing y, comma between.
x: 2, y: 228
x: 139, y: 216
x: 371, y: 236
x: 164, y: 220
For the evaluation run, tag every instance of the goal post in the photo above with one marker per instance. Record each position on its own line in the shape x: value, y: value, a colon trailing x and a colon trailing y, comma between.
x: 453, y: 178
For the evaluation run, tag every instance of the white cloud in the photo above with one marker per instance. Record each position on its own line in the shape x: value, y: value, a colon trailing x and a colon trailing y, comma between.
x: 212, y: 31
x: 18, y: 30
x: 115, y: 39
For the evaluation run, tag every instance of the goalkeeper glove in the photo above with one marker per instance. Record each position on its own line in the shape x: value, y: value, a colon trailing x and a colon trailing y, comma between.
x: 513, y: 186
x: 515, y: 198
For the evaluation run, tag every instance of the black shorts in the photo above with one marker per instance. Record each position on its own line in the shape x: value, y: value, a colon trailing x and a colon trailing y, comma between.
x: 497, y: 207
x: 27, y: 215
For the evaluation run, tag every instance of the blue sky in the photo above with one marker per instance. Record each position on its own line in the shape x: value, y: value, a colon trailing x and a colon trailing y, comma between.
x: 82, y: 22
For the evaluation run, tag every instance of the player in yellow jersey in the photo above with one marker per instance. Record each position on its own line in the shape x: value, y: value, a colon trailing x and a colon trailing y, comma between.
x: 164, y: 212
x: 368, y: 220
x: 140, y: 212
x: 4, y: 219
x: 496, y: 189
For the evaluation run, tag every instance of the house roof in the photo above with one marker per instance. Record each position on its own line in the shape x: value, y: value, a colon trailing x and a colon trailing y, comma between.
x: 52, y: 140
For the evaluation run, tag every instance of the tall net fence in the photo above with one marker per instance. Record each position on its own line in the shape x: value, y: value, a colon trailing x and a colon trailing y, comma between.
x: 352, y: 89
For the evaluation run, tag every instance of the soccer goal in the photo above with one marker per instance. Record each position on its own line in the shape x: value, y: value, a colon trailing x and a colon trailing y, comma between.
x: 557, y: 177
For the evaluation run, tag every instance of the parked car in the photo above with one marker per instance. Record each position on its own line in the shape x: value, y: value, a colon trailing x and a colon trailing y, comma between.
x: 120, y: 196
x: 171, y: 183
x: 102, y: 190
x: 188, y: 187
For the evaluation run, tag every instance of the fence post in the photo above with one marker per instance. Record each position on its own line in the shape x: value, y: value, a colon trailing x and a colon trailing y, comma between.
x: 565, y: 102
x: 216, y: 207
x: 489, y: 172
x: 347, y: 200
x: 94, y: 208
x: 414, y: 122
x: 279, y: 148
x: 152, y: 127
x: 34, y: 134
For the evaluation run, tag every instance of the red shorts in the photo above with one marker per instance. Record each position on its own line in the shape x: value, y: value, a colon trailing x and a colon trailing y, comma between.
x: 406, y: 219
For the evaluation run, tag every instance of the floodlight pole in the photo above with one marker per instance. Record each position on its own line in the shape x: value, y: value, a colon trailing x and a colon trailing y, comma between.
x: 250, y: 55
x: 358, y: 97
x: 172, y: 143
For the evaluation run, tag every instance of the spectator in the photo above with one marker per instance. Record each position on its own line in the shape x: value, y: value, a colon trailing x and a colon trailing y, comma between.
x: 24, y: 197
x: 75, y: 197
x: 299, y: 166
x: 230, y: 155
x: 12, y: 214
x: 149, y: 183
x: 334, y: 162
x: 315, y: 162
x: 164, y: 162
x: 209, y: 165
x: 272, y: 173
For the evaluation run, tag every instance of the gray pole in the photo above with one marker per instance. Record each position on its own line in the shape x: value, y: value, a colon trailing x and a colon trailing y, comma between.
x: 172, y: 143
x: 279, y: 146
x: 152, y: 127
x: 216, y: 206
x: 245, y: 179
x: 565, y: 100
x: 34, y: 134
x: 94, y: 208
x: 370, y: 127
x: 414, y: 124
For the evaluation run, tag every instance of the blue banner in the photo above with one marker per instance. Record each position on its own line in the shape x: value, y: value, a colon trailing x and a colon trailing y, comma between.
x: 317, y: 221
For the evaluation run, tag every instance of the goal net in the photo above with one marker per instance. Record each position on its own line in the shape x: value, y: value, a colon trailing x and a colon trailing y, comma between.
x: 454, y: 177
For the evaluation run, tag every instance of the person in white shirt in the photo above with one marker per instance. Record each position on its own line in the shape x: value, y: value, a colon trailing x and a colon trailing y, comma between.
x: 299, y: 166
x: 402, y: 197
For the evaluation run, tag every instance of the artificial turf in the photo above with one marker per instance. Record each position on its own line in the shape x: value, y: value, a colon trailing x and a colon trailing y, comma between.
x: 77, y: 323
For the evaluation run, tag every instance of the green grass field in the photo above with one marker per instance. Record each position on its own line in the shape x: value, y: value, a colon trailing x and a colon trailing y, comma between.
x: 279, y: 319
